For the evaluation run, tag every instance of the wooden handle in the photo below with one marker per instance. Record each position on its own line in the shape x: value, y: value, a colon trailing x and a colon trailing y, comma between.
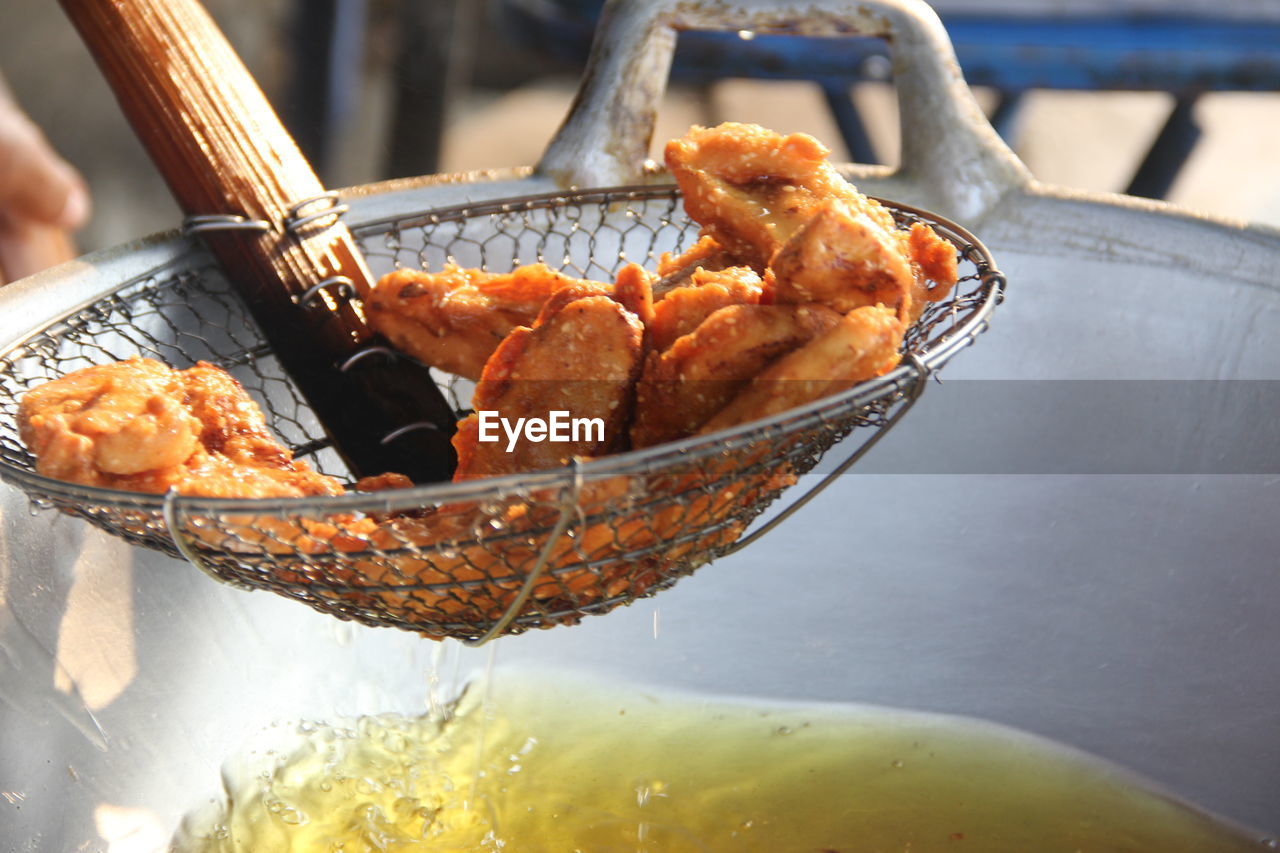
x: 223, y: 152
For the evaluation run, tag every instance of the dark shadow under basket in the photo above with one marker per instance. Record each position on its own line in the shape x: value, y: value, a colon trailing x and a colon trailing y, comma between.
x: 501, y: 555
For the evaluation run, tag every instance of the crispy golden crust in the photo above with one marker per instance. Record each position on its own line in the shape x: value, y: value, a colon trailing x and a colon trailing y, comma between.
x: 705, y: 254
x: 702, y: 371
x: 683, y: 309
x: 675, y: 271
x: 633, y: 290
x: 843, y: 259
x: 936, y: 259
x: 107, y: 422
x: 861, y: 345
x: 383, y: 482
x: 455, y: 319
x: 751, y: 188
x: 582, y: 359
x: 140, y: 426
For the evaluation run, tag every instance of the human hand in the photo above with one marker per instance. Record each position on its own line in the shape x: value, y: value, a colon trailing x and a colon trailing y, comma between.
x: 41, y: 197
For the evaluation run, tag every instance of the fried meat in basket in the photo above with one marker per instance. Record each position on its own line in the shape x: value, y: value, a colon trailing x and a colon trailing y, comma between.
x: 454, y: 319
x: 138, y: 425
x: 861, y: 344
x: 581, y: 357
x: 685, y: 386
x: 798, y: 287
x: 682, y: 309
x: 777, y: 203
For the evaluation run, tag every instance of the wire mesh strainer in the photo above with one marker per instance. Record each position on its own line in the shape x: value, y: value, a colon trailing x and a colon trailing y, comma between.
x: 501, y: 555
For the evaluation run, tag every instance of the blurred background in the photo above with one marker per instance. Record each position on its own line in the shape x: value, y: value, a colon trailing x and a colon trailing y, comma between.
x: 375, y: 89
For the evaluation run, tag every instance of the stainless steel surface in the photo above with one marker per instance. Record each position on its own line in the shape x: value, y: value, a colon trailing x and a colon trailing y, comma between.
x: 1131, y: 615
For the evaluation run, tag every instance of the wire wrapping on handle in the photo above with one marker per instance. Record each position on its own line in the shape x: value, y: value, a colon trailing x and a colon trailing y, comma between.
x: 207, y: 223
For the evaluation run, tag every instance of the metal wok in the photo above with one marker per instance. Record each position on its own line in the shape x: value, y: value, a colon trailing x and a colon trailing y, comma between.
x: 1077, y: 557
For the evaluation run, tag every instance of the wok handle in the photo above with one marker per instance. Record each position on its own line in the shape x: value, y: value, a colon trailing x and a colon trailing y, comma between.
x: 948, y: 146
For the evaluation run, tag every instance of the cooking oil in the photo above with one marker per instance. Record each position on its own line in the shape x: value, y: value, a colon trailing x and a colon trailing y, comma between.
x: 526, y: 763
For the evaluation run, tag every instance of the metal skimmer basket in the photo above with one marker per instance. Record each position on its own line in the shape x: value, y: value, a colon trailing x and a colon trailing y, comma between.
x: 501, y: 555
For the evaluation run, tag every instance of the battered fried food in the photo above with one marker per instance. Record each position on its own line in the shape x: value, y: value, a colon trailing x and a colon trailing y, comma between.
x: 936, y: 259
x: 676, y: 270
x: 751, y: 188
x: 110, y: 421
x: 683, y: 309
x: 704, y: 370
x: 754, y: 191
x: 861, y: 345
x: 705, y: 253
x: 632, y: 290
x: 140, y: 426
x: 454, y: 319
x: 582, y: 358
x: 845, y: 260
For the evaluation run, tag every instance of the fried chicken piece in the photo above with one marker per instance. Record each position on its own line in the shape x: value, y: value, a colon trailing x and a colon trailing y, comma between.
x: 754, y: 191
x: 581, y: 358
x: 704, y: 370
x: 936, y: 260
x: 632, y: 290
x: 843, y: 259
x: 140, y: 426
x: 102, y: 423
x: 705, y: 253
x: 676, y: 270
x: 861, y: 345
x: 684, y: 308
x: 455, y: 319
x: 386, y: 482
x: 751, y: 189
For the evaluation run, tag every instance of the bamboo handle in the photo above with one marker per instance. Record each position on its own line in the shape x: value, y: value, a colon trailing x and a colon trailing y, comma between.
x: 223, y: 152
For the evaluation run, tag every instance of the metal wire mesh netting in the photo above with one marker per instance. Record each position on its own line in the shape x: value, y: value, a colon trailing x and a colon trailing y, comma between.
x: 499, y: 555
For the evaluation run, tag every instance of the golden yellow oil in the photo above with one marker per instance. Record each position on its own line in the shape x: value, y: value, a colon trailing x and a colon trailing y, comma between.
x: 525, y: 764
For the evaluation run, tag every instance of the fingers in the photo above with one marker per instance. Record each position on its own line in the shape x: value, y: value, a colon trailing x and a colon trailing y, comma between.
x: 41, y: 197
x: 28, y: 247
x: 35, y: 183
